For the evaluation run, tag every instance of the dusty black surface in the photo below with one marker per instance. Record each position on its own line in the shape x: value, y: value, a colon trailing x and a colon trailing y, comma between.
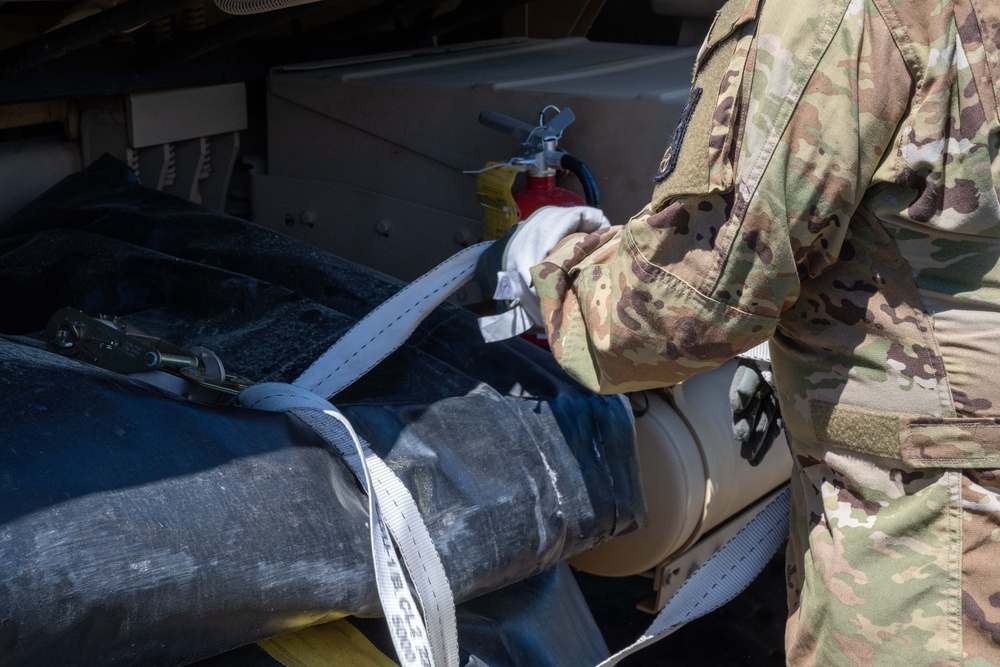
x: 139, y: 528
x: 749, y: 631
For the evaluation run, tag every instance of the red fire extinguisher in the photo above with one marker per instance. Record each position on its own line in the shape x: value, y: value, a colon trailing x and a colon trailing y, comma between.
x: 541, y: 190
x: 539, y: 159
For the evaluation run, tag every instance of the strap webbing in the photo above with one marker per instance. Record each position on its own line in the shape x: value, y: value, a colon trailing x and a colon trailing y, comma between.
x: 393, y: 510
x: 433, y: 639
x: 385, y: 329
x: 761, y: 352
x: 394, y: 519
x: 724, y: 576
x: 334, y: 644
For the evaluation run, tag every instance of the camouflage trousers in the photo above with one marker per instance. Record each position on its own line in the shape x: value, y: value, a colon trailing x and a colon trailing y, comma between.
x: 889, y: 565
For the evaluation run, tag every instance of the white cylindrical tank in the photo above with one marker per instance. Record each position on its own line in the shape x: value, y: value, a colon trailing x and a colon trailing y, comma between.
x: 693, y: 476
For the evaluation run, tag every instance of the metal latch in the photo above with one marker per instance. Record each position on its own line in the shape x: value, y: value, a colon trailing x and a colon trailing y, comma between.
x: 113, y: 344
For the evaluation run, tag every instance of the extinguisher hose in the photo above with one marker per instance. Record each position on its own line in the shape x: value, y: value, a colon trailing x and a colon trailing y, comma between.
x: 590, y: 191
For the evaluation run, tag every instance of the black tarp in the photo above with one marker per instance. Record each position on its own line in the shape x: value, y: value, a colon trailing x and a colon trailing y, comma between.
x: 140, y: 528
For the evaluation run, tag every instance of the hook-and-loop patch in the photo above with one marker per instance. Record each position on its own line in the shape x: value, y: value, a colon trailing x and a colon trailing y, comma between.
x: 701, y: 154
x: 669, y: 161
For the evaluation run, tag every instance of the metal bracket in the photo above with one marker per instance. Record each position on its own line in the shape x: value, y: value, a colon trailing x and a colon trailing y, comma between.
x: 671, y: 574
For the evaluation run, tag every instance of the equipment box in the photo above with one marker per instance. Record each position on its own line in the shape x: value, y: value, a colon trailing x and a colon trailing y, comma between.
x: 366, y: 157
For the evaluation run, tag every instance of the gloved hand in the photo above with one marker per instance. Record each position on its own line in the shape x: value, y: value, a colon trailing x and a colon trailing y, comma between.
x: 504, y: 269
x: 756, y: 415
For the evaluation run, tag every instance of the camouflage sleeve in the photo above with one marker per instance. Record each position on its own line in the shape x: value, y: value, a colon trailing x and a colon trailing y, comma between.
x: 783, y: 130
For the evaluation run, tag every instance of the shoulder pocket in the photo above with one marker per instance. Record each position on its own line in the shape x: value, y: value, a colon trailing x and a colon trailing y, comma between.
x: 733, y: 15
x: 700, y: 158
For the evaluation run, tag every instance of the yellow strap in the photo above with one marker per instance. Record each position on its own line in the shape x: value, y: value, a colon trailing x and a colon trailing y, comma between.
x: 337, y: 644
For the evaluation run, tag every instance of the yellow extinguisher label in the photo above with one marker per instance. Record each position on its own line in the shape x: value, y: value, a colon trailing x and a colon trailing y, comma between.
x: 500, y: 211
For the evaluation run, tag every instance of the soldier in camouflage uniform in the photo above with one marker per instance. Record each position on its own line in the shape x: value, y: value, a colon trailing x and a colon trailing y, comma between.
x: 832, y: 186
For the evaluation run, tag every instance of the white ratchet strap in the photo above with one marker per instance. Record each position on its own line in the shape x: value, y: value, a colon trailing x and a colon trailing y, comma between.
x: 730, y: 569
x: 393, y: 513
x: 761, y: 352
x: 391, y: 507
x: 724, y: 576
x: 383, y: 330
x: 393, y: 510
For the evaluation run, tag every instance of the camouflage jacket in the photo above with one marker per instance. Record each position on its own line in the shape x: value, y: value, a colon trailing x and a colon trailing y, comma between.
x: 831, y: 186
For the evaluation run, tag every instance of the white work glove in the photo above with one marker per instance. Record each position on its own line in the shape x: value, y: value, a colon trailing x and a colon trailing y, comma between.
x: 505, y: 268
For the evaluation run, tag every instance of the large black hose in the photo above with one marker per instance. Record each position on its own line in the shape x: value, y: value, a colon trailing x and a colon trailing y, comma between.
x: 590, y: 190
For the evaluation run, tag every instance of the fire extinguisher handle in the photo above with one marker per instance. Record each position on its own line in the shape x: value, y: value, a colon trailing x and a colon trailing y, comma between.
x: 510, y: 126
x: 555, y: 127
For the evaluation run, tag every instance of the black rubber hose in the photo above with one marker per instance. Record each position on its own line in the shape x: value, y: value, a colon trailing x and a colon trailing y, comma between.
x: 590, y: 191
